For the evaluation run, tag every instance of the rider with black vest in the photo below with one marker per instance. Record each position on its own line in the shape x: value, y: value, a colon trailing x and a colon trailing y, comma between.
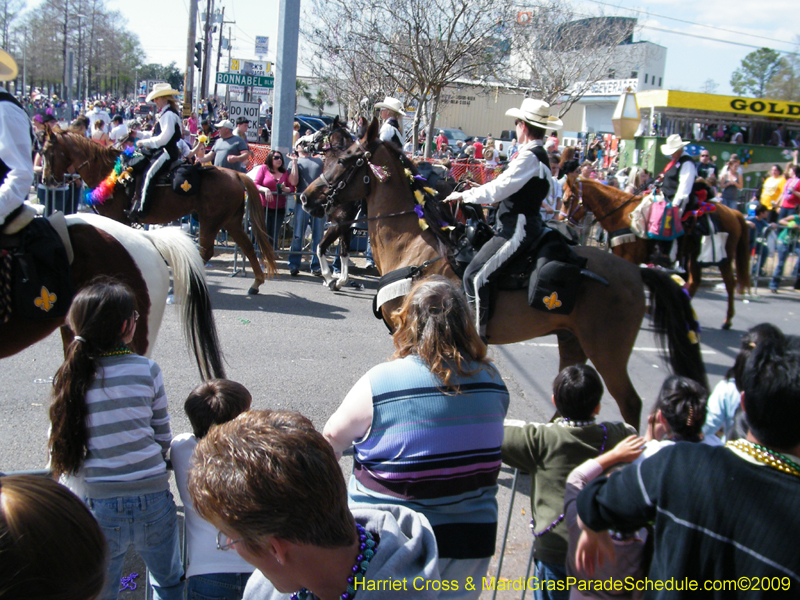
x: 16, y: 166
x: 162, y: 146
x: 519, y: 190
x: 392, y: 116
x: 677, y: 181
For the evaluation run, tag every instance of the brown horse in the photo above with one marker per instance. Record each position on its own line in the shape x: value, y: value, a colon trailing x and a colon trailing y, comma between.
x: 219, y: 204
x: 612, y: 209
x: 103, y: 247
x: 602, y: 327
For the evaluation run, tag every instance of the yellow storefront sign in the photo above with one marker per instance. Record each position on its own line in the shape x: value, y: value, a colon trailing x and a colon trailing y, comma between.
x: 656, y: 99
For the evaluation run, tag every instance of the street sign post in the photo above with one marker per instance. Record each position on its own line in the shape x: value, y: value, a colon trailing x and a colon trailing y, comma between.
x: 248, y: 80
x: 248, y: 110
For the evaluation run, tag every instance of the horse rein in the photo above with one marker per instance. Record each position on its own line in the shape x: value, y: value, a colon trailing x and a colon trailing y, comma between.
x: 633, y: 197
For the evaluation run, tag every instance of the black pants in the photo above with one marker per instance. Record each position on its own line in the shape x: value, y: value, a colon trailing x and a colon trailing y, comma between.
x: 506, y: 246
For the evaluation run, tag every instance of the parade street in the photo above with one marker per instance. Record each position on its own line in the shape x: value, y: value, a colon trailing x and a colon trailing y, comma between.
x: 299, y: 346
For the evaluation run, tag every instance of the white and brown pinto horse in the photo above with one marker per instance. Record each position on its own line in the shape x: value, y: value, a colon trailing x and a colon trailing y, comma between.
x: 103, y: 247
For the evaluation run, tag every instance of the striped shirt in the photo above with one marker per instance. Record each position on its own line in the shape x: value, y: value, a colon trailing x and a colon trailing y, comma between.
x: 438, y: 454
x: 128, y: 427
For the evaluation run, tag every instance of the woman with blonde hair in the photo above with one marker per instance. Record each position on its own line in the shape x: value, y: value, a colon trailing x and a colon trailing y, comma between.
x: 731, y: 182
x: 99, y: 134
x: 427, y: 427
x: 392, y: 116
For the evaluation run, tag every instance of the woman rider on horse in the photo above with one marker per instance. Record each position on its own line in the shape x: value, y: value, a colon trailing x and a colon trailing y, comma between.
x: 519, y: 190
x: 392, y: 117
x: 162, y: 147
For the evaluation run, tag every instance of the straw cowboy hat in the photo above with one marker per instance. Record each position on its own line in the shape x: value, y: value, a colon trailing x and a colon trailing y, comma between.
x: 8, y: 67
x: 535, y: 112
x: 161, y: 89
x: 392, y: 104
x: 674, y: 143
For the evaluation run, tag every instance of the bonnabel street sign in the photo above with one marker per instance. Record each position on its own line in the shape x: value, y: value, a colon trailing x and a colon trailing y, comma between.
x: 240, y: 79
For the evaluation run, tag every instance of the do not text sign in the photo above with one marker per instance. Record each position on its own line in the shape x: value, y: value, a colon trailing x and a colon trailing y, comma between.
x: 248, y: 110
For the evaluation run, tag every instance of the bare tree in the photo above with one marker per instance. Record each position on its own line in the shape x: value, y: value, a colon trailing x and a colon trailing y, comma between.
x: 412, y: 49
x: 9, y: 10
x: 785, y: 83
x: 709, y: 86
x: 559, y: 57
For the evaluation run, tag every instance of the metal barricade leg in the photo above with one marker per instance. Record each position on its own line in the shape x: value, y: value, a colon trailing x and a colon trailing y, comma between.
x: 505, y: 532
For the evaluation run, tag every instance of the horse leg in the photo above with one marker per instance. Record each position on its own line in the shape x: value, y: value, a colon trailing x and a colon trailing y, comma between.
x: 730, y: 284
x: 569, y: 350
x: 694, y: 275
x: 344, y: 256
x: 331, y: 234
x: 234, y: 228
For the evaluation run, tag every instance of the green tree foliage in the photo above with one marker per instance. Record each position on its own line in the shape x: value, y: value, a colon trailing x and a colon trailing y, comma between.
x: 757, y: 70
x: 785, y: 84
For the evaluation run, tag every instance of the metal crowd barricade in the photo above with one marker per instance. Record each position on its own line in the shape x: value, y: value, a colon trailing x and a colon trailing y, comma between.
x: 64, y: 197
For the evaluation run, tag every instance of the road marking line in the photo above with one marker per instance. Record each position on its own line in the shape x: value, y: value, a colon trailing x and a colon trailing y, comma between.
x: 637, y: 348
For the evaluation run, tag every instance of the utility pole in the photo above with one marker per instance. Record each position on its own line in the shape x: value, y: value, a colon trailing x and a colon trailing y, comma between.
x: 219, y: 45
x: 227, y: 87
x: 206, y: 53
x: 286, y: 73
x: 188, y: 78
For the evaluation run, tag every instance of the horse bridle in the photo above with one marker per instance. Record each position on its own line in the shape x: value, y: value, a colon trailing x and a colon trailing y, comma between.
x: 57, y: 148
x: 571, y: 213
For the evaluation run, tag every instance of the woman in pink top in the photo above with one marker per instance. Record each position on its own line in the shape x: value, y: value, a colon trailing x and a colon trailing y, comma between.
x: 191, y: 126
x: 790, y: 199
x: 99, y: 134
x: 271, y: 175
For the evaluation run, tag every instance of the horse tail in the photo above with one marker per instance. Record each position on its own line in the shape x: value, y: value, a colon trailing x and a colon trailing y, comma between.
x: 258, y: 222
x: 191, y: 292
x: 742, y: 253
x: 675, y: 323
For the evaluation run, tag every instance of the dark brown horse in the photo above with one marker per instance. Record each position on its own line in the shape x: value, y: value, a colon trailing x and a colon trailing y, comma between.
x: 103, y: 247
x: 612, y: 209
x: 219, y: 204
x: 602, y: 327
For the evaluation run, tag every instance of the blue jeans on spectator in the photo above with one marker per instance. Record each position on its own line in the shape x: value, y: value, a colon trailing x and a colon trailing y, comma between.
x: 783, y: 253
x: 275, y: 218
x: 149, y: 523
x: 216, y: 586
x: 785, y: 212
x: 301, y: 220
x: 550, y: 572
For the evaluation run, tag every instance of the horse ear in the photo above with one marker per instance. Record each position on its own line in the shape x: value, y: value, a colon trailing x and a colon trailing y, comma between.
x: 336, y: 123
x: 372, y: 131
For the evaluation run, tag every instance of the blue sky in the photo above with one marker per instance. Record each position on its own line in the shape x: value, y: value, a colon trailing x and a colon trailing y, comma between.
x: 691, y: 60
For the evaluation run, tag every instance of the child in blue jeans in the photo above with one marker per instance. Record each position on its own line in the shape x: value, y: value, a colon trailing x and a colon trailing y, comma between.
x: 110, y: 435
x: 212, y: 571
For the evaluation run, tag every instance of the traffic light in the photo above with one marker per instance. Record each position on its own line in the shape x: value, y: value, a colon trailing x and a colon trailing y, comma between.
x: 198, y: 55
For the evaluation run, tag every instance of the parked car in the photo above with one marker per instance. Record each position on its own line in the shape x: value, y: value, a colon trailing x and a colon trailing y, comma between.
x: 503, y: 143
x: 324, y: 118
x: 312, y: 123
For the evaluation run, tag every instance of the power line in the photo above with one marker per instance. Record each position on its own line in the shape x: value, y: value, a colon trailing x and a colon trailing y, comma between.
x: 636, y: 10
x: 703, y: 37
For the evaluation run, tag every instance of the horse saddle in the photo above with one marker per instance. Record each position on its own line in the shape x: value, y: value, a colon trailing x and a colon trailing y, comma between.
x: 35, y: 280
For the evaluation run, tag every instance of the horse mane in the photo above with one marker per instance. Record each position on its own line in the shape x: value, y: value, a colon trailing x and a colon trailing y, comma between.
x: 93, y: 151
x: 607, y: 198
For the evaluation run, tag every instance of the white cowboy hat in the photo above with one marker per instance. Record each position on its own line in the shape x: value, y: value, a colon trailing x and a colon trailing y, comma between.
x: 674, y: 143
x: 535, y: 112
x: 392, y: 104
x: 8, y: 67
x: 225, y: 123
x: 161, y: 89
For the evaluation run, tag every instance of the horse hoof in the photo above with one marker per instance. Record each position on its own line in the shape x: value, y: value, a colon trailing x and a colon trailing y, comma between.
x: 253, y: 291
x: 726, y: 326
x: 332, y: 285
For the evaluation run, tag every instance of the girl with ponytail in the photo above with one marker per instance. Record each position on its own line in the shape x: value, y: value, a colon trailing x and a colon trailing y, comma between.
x: 110, y: 432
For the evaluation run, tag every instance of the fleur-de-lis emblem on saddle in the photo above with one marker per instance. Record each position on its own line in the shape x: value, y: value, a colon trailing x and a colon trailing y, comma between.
x: 186, y: 186
x: 551, y: 301
x: 45, y: 300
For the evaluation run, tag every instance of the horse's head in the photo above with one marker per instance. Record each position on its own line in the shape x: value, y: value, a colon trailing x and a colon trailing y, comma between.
x: 346, y: 173
x: 56, y: 161
x: 572, y: 207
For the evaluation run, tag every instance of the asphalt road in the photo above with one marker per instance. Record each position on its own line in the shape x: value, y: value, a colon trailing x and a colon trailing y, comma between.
x: 299, y: 346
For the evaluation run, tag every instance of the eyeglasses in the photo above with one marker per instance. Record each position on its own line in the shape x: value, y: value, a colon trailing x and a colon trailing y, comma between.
x: 277, y: 157
x: 225, y: 543
x: 517, y: 122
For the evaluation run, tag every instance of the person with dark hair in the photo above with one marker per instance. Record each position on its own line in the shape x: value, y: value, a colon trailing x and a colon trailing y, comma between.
x: 426, y: 428
x: 51, y: 547
x: 272, y: 486
x: 718, y: 513
x: 724, y: 409
x: 549, y: 452
x: 209, y: 572
x: 272, y: 180
x: 110, y: 435
x: 759, y: 227
x: 520, y: 190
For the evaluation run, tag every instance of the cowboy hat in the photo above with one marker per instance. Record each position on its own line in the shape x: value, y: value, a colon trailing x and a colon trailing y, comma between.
x: 392, y: 104
x: 674, y: 143
x: 535, y: 112
x: 161, y: 89
x: 8, y: 67
x: 225, y: 123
